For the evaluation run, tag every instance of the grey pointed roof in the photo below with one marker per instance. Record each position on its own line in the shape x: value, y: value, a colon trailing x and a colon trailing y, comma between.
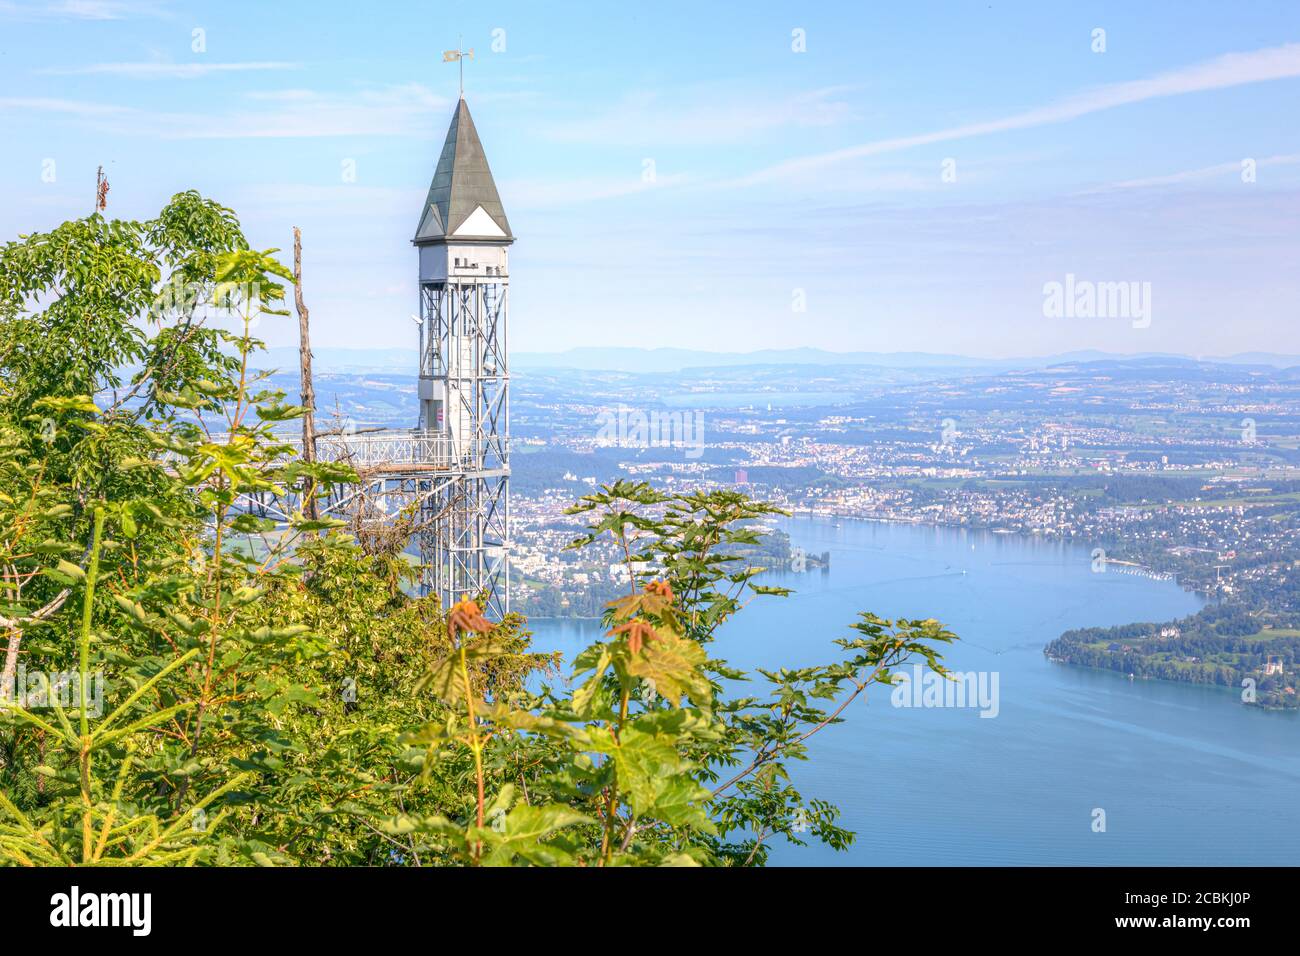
x: 461, y: 185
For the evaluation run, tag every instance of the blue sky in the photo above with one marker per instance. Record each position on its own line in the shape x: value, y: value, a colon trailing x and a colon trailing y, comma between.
x: 798, y: 197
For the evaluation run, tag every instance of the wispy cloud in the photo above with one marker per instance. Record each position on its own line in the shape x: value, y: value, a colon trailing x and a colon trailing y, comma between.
x: 1232, y: 69
x: 48, y: 104
x: 699, y: 116
x: 84, y: 10
x: 1196, y: 175
x: 402, y: 109
x: 398, y: 110
x: 178, y: 71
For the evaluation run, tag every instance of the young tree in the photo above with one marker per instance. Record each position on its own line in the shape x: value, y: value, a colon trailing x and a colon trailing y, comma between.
x: 201, y: 684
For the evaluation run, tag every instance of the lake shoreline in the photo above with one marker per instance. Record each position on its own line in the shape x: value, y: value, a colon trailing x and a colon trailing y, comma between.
x: 1018, y: 789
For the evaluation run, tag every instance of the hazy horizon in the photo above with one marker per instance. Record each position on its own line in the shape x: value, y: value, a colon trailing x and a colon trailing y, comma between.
x: 671, y: 358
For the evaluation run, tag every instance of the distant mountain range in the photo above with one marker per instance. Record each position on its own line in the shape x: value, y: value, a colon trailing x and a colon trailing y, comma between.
x: 672, y: 360
x: 666, y: 360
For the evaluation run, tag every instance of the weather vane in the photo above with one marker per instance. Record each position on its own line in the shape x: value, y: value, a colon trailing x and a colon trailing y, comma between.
x: 459, y: 56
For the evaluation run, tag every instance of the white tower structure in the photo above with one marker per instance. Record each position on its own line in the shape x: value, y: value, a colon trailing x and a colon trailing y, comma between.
x: 464, y: 238
x: 451, y: 471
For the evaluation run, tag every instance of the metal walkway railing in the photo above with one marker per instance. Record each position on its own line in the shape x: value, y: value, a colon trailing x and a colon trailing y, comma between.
x: 399, y: 447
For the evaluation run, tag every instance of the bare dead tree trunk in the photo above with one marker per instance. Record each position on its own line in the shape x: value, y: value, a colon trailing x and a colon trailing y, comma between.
x: 101, y: 190
x: 15, y: 627
x: 308, y: 389
x: 11, y: 666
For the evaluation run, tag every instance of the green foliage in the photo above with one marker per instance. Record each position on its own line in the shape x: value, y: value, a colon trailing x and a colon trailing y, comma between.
x: 275, y: 694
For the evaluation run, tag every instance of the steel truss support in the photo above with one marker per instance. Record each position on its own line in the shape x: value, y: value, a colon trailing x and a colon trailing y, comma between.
x: 463, y: 350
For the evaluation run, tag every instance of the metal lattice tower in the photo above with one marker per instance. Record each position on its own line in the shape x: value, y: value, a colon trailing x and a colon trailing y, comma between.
x: 464, y: 388
x: 453, y: 467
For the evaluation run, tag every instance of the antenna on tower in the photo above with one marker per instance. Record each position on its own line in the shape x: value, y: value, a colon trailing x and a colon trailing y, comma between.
x: 459, y: 56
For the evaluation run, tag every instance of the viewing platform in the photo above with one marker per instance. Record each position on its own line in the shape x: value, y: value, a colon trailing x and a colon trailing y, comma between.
x: 404, y: 451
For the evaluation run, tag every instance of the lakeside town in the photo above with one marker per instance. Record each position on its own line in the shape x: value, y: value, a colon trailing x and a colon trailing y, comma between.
x: 1155, y: 473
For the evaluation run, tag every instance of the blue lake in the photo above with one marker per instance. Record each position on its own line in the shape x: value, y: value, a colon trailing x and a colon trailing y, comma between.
x: 1185, y: 775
